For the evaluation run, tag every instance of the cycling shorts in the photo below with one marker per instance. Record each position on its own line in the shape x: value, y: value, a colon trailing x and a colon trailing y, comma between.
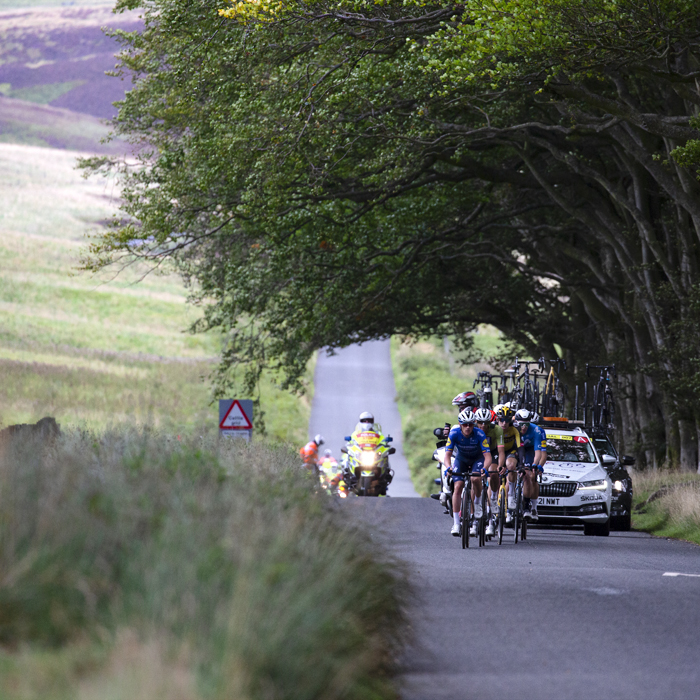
x: 513, y: 454
x: 460, y: 468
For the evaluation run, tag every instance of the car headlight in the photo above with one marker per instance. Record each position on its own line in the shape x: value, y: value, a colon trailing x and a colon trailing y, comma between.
x: 620, y: 486
x: 367, y: 459
x: 598, y: 485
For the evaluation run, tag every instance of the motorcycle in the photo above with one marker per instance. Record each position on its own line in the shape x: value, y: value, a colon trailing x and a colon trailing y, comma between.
x: 331, y: 477
x: 366, y: 462
x: 445, y: 479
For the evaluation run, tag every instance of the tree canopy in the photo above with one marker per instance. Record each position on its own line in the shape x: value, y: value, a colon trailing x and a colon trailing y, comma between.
x: 323, y: 173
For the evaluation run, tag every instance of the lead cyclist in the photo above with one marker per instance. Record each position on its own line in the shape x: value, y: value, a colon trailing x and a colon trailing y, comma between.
x: 473, y: 456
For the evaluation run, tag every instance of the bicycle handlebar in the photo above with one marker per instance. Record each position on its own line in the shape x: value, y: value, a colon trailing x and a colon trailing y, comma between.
x: 603, y: 369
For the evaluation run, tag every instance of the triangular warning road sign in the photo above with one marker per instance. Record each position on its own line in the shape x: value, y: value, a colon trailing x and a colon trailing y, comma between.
x: 235, y: 418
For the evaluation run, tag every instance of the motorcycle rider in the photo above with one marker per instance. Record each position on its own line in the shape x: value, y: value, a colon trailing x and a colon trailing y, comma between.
x: 366, y: 425
x: 330, y: 471
x: 309, y: 453
x: 534, y: 440
x: 474, y: 455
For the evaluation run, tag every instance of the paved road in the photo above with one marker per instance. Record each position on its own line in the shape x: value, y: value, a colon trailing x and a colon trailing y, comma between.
x: 558, y: 617
x: 359, y: 378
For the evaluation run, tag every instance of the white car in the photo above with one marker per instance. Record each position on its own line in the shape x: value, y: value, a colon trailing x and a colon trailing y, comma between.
x: 575, y: 488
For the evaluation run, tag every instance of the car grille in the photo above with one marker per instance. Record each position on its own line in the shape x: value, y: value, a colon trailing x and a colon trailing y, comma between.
x: 563, y: 489
x: 571, y: 511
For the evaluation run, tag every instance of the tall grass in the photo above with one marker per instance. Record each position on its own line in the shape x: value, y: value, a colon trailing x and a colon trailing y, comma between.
x: 220, y: 560
x: 667, y: 504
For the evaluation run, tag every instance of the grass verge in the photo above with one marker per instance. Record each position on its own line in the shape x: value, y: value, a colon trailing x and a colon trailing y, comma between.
x: 667, y: 504
x: 94, y: 351
x: 427, y: 378
x: 136, y: 565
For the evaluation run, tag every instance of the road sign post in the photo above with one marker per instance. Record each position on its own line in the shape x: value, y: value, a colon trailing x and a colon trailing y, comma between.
x: 236, y: 418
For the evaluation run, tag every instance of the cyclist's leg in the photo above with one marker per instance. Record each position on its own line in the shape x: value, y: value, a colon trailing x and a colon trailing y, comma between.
x: 477, y: 482
x: 458, y: 484
x: 531, y: 489
x: 511, y: 466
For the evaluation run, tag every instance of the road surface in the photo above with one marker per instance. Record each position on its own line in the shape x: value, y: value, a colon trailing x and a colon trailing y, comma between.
x: 356, y: 379
x: 558, y: 617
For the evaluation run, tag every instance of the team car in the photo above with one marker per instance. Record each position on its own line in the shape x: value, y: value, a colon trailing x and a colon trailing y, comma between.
x: 614, y: 464
x: 575, y: 488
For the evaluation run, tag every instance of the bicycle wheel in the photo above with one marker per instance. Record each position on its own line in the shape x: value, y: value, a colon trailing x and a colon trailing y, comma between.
x: 517, y: 514
x: 501, y: 513
x: 609, y: 410
x: 465, y: 518
x: 523, y: 530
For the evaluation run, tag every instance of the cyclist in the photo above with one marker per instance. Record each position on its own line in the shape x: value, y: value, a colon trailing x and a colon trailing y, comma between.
x: 485, y: 421
x: 309, y: 453
x: 534, y: 440
x: 474, y: 455
x: 467, y: 399
x: 510, y: 453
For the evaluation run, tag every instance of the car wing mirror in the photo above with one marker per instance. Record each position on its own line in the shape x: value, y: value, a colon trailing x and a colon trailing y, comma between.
x: 628, y: 460
x: 608, y: 460
x: 392, y: 450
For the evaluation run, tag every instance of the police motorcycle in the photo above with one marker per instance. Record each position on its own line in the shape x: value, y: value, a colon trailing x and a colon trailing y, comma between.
x: 331, y: 477
x: 366, y: 461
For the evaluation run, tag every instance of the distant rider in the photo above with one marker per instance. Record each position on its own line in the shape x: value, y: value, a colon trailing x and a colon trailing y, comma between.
x: 472, y: 456
x: 329, y: 468
x: 534, y: 440
x: 365, y: 426
x: 309, y: 453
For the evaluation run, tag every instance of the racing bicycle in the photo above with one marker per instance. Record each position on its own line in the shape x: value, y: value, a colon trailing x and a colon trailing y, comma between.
x: 603, y: 410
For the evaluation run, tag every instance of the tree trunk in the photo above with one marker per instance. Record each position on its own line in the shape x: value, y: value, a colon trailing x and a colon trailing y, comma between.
x: 688, y: 445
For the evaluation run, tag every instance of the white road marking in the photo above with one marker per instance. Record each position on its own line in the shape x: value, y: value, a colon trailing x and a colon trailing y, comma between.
x: 675, y: 573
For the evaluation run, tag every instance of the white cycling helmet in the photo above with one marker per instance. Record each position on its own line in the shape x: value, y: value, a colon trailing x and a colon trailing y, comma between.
x: 319, y: 440
x: 483, y: 415
x: 523, y: 415
x: 328, y: 453
x: 366, y: 417
x: 466, y: 417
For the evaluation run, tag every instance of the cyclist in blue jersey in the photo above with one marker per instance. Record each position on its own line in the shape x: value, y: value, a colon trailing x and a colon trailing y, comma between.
x: 472, y: 455
x: 534, y: 439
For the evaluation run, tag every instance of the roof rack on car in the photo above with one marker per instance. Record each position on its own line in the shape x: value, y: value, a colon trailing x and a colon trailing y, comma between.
x: 557, y: 422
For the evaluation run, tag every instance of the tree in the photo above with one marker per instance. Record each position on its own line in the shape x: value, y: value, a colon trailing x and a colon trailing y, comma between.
x: 325, y: 173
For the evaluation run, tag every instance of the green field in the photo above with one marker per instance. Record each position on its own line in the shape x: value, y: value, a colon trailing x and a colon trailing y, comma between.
x: 96, y: 351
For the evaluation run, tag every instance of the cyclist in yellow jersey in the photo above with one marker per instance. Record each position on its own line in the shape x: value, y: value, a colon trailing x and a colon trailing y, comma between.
x: 510, y: 452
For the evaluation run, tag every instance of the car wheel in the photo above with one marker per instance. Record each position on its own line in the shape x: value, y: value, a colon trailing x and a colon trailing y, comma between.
x: 623, y: 523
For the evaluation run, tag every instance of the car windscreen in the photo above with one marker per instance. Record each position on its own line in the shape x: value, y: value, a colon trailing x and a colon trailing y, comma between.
x: 604, y: 447
x: 569, y: 448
